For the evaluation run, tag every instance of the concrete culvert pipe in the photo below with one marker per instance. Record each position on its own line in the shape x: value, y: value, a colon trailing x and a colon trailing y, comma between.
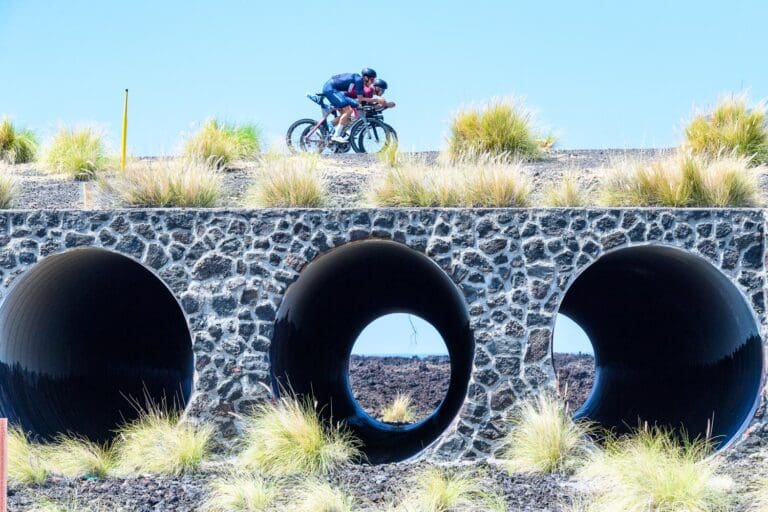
x: 85, y: 336
x: 675, y: 343
x: 333, y: 300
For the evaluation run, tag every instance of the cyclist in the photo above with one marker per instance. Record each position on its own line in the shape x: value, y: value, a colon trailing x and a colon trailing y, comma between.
x: 335, y: 90
x: 377, y: 88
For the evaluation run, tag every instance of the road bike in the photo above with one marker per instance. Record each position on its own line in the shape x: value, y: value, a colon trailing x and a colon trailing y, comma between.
x: 367, y: 133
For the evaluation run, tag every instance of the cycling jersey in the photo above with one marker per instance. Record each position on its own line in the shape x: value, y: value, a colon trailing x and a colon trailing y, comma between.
x: 343, y: 81
x: 352, y: 93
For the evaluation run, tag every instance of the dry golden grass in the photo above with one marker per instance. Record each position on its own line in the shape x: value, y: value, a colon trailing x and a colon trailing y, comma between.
x: 437, y: 489
x: 173, y: 183
x: 732, y: 128
x: 399, y: 411
x: 219, y: 144
x: 158, y: 443
x: 287, y: 436
x: 241, y: 492
x: 316, y: 496
x: 655, y: 471
x: 569, y: 191
x: 75, y: 457
x: 287, y: 182
x: 544, y: 439
x: 682, y: 180
x: 16, y: 146
x: 485, y: 182
x: 501, y: 127
x: 79, y: 153
x: 8, y: 190
x: 25, y: 461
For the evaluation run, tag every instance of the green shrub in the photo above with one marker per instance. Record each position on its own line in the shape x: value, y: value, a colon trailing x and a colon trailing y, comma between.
x: 655, y: 470
x: 544, y: 439
x: 683, y: 180
x: 78, y: 153
x: 484, y: 182
x: 16, y: 146
x: 287, y: 436
x: 220, y: 144
x: 178, y: 183
x: 25, y: 461
x: 158, y: 443
x: 241, y: 492
x: 731, y: 129
x: 500, y: 127
x: 287, y: 182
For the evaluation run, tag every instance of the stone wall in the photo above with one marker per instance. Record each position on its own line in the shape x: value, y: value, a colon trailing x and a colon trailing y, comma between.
x: 229, y: 270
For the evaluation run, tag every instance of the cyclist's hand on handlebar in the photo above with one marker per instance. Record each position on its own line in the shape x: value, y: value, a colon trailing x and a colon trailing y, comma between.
x: 391, y: 104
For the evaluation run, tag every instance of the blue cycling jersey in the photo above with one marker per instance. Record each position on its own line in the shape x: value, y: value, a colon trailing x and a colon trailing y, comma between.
x: 343, y: 81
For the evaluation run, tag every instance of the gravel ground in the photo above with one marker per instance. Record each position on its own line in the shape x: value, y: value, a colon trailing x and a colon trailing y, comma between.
x: 575, y: 374
x: 373, y: 488
x: 348, y: 178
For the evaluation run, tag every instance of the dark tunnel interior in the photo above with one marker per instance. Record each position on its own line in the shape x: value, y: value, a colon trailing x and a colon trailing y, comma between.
x: 334, y: 299
x: 85, y: 337
x: 676, y: 344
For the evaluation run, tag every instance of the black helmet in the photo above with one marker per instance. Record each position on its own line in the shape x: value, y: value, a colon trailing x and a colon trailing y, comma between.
x: 368, y: 72
x: 381, y: 84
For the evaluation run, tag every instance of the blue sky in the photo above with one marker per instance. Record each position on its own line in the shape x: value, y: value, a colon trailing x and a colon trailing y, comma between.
x: 599, y: 73
x: 403, y: 334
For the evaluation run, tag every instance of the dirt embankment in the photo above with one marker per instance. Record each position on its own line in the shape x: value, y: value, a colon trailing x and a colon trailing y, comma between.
x: 575, y: 374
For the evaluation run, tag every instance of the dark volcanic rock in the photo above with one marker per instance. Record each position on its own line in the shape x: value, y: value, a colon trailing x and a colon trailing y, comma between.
x: 376, y: 380
x: 577, y: 372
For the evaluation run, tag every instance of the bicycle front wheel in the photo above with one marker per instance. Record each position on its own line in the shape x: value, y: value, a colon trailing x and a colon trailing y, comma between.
x: 376, y: 136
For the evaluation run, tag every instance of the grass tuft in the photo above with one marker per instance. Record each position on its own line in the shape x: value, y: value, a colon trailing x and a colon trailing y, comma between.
x: 287, y: 436
x: 16, y: 146
x: 158, y: 443
x: 317, y: 496
x: 500, y: 127
x: 75, y: 457
x: 567, y: 192
x: 287, y: 182
x: 486, y: 182
x: 241, y: 492
x: 8, y: 192
x: 399, y: 411
x: 683, y: 180
x: 177, y: 183
x: 441, y: 490
x: 221, y: 144
x: 654, y: 470
x: 79, y: 153
x: 732, y: 128
x: 25, y: 460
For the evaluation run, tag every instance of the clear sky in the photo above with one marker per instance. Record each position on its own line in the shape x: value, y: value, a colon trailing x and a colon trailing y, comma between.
x: 409, y: 335
x: 599, y: 73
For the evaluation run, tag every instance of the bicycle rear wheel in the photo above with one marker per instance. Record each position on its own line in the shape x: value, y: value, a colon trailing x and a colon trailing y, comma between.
x: 376, y: 136
x: 294, y: 133
x: 314, y: 142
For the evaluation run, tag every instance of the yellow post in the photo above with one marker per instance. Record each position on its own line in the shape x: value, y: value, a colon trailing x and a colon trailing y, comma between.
x: 125, y: 132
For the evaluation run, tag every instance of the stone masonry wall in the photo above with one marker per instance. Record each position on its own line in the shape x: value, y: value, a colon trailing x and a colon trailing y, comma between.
x: 229, y: 270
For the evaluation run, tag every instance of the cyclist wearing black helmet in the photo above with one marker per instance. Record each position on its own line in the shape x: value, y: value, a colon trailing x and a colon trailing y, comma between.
x: 379, y: 88
x: 335, y: 90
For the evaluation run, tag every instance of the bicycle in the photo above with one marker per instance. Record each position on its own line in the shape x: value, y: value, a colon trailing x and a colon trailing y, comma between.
x: 368, y: 131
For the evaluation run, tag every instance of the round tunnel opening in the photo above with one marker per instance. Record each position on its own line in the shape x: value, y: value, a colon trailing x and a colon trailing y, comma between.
x: 399, y: 370
x: 675, y: 344
x: 324, y: 311
x: 88, y: 338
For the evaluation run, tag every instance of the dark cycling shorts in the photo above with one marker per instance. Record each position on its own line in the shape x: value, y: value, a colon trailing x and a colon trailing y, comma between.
x: 338, y: 98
